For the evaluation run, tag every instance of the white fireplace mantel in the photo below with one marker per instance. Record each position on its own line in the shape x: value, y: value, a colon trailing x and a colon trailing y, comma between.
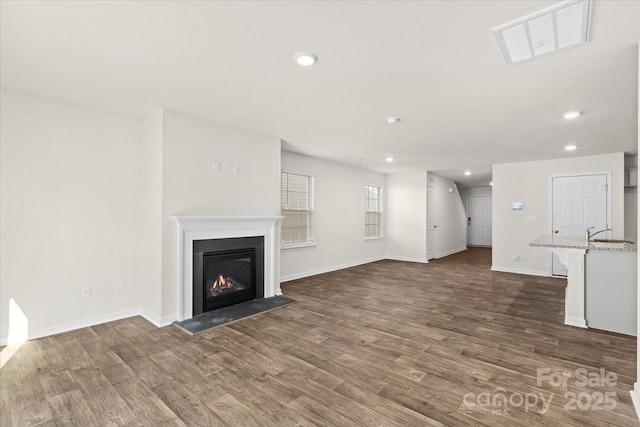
x: 192, y: 228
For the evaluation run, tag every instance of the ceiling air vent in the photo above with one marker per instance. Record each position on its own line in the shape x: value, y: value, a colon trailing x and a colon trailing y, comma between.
x: 558, y: 27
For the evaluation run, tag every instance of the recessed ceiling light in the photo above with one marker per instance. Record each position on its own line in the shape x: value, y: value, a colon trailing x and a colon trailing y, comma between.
x: 558, y: 27
x: 467, y: 173
x: 305, y: 59
x: 571, y: 114
x: 570, y: 147
x: 391, y: 120
x: 363, y: 160
x: 389, y: 159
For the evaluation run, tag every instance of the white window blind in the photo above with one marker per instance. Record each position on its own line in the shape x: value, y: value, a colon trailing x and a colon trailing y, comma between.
x: 296, y: 208
x: 372, y: 211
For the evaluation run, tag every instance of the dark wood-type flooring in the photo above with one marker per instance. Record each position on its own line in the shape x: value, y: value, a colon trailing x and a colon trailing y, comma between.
x: 384, y: 344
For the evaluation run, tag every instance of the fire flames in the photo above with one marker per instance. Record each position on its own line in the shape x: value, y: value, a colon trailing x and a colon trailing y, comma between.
x: 221, y: 284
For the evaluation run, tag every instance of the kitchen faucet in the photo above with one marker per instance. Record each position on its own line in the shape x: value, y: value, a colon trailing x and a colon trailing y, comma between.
x: 589, y: 235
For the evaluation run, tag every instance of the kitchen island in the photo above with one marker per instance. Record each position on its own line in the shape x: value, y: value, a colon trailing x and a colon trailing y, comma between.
x: 601, y: 281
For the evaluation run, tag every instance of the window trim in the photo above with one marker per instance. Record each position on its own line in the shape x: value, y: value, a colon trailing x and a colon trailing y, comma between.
x: 379, y: 212
x: 300, y: 245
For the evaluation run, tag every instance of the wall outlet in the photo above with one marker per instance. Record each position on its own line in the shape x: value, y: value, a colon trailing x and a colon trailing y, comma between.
x: 516, y: 257
x: 86, y: 292
x: 236, y: 169
x: 119, y: 287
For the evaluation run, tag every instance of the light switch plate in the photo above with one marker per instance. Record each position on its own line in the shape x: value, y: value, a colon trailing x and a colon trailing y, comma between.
x: 216, y: 166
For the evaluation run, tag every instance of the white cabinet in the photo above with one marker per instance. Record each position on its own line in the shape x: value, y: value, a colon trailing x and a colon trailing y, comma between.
x: 611, y: 303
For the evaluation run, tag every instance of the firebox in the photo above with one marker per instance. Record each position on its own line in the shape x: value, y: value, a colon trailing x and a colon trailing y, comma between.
x: 227, y: 272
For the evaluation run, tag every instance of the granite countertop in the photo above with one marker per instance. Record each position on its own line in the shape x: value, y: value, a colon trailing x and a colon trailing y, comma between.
x: 579, y: 242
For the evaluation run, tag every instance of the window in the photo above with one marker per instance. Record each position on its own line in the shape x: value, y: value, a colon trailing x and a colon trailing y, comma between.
x: 372, y: 211
x: 296, y: 208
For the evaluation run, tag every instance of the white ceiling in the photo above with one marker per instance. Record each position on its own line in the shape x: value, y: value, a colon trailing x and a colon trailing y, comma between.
x: 435, y: 64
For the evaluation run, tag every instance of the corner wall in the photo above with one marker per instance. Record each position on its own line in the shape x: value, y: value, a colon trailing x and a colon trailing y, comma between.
x: 150, y: 250
x: 529, y: 182
x: 70, y: 199
x: 406, y: 219
x: 338, y: 218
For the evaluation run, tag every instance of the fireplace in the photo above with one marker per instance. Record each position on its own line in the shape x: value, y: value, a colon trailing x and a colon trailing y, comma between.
x: 227, y: 272
x: 192, y: 229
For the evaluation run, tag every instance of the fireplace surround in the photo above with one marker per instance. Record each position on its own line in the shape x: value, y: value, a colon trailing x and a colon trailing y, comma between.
x: 227, y: 272
x: 198, y: 228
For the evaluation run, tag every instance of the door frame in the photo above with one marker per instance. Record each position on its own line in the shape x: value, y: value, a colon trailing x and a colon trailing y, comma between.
x: 550, y: 205
x: 435, y: 220
x: 490, y: 196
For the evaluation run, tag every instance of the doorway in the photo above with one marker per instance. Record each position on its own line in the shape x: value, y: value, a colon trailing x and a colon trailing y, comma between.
x: 578, y: 203
x: 479, y: 220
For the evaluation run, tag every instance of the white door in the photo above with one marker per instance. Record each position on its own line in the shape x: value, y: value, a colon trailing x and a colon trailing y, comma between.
x: 431, y: 223
x: 479, y: 220
x: 579, y: 202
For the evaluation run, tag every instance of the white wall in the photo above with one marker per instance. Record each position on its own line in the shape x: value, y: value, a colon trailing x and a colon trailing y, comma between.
x: 190, y: 146
x: 529, y: 182
x: 70, y: 197
x: 338, y: 218
x: 406, y: 219
x: 451, y: 218
x: 465, y: 192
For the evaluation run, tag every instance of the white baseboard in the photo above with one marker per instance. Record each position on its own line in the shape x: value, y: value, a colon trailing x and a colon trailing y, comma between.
x: 635, y: 397
x: 575, y: 321
x: 157, y: 321
x: 522, y: 271
x: 455, y: 251
x: 295, y: 276
x: 407, y: 259
x: 77, y: 324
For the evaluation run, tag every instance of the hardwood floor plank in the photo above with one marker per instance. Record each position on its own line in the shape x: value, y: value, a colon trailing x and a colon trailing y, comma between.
x: 26, y: 398
x: 431, y: 406
x: 101, y: 353
x: 181, y: 371
x: 5, y: 408
x: 347, y: 408
x: 325, y: 361
x: 186, y: 405
x: 318, y: 414
x: 385, y: 407
x: 234, y: 412
x: 244, y: 390
x: 70, y: 409
x: 105, y: 402
x: 55, y: 383
x: 29, y: 412
x: 144, y: 403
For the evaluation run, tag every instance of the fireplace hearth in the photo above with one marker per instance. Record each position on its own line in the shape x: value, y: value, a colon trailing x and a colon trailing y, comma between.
x: 227, y: 272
